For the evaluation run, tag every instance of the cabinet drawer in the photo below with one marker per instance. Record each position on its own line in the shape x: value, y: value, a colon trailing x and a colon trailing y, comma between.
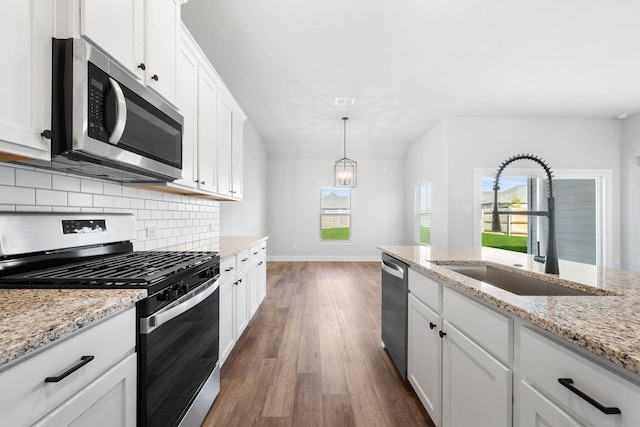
x: 492, y: 330
x: 227, y: 268
x: 24, y: 394
x: 544, y: 361
x: 254, y: 254
x: 426, y: 290
x: 242, y: 260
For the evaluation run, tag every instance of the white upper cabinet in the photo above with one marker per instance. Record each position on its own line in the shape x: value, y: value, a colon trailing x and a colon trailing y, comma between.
x: 123, y: 41
x: 224, y: 148
x: 142, y: 35
x: 163, y: 23
x: 207, y: 128
x: 25, y: 106
x: 237, y: 147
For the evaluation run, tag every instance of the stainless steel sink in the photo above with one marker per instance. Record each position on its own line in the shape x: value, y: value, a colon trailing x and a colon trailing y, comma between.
x: 516, y: 283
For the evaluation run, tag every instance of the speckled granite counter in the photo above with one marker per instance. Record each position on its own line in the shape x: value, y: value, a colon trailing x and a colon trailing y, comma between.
x: 608, y: 326
x: 231, y: 245
x: 32, y: 318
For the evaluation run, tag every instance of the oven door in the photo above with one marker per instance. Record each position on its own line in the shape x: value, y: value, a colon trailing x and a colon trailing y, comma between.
x: 178, y: 359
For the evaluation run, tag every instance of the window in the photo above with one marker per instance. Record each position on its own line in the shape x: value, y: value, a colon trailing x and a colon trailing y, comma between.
x: 335, y: 214
x: 423, y: 213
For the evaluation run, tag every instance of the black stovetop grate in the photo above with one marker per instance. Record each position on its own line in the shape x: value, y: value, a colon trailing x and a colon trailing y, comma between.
x: 141, y: 269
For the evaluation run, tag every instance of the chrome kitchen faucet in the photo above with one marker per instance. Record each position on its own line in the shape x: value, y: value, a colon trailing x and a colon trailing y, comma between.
x: 551, y: 259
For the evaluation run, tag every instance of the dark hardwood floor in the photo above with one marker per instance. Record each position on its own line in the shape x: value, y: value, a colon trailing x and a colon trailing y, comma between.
x: 312, y: 355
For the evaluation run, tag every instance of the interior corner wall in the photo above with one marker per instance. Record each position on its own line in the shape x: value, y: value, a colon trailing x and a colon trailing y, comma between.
x: 293, y: 206
x: 427, y: 160
x: 248, y: 217
x: 631, y: 193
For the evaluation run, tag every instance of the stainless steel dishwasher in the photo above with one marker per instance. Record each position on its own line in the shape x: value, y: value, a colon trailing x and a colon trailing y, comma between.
x: 395, y: 286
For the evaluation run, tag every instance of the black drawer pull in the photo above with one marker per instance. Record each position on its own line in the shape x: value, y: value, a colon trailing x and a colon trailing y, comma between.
x: 229, y: 269
x: 432, y: 325
x: 83, y: 361
x: 567, y: 382
x: 442, y: 334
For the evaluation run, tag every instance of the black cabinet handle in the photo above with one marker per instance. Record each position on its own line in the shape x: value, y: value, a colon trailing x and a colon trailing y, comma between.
x: 255, y: 253
x: 244, y: 259
x: 432, y: 325
x: 442, y: 334
x: 83, y: 361
x: 47, y: 134
x: 154, y: 77
x: 142, y: 66
x: 567, y: 382
x: 229, y: 269
x: 260, y: 263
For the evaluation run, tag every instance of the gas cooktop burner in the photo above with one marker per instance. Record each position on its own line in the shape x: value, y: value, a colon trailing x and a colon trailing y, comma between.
x: 131, y: 270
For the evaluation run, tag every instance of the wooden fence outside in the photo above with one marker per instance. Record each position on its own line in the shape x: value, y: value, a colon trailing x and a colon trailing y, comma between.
x: 512, y: 224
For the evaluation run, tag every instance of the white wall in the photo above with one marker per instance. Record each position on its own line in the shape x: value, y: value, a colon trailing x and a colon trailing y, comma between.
x: 631, y: 193
x: 249, y: 216
x: 183, y: 223
x: 486, y: 142
x: 294, y: 208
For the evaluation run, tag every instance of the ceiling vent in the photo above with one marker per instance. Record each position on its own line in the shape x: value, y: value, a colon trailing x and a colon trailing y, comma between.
x: 345, y: 101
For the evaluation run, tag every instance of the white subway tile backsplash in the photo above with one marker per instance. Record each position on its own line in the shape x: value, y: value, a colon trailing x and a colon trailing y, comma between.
x: 91, y: 186
x: 80, y: 199
x: 17, y: 195
x: 102, y: 201
x: 51, y: 197
x: 65, y: 183
x: 112, y: 189
x: 33, y: 179
x: 32, y: 208
x: 7, y: 176
x: 181, y: 221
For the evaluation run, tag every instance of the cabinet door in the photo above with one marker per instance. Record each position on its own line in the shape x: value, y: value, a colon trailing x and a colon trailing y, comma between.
x: 187, y: 102
x: 237, y: 160
x: 424, y: 364
x: 262, y: 280
x: 224, y: 147
x: 538, y: 411
x: 227, y: 308
x: 207, y: 128
x: 123, y: 41
x: 162, y: 23
x: 109, y: 401
x: 25, y: 110
x: 242, y: 304
x: 477, y: 388
x: 254, y: 292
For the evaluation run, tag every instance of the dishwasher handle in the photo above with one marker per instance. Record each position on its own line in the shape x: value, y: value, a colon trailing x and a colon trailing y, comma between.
x: 393, y: 269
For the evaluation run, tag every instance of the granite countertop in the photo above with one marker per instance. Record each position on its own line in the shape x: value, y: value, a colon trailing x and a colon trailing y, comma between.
x: 33, y: 318
x: 231, y: 245
x: 607, y: 324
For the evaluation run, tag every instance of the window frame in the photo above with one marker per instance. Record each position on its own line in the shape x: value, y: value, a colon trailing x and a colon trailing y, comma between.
x: 418, y: 211
x: 322, y: 214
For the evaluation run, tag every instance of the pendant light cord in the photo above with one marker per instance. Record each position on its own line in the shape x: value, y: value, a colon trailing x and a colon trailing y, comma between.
x: 345, y: 136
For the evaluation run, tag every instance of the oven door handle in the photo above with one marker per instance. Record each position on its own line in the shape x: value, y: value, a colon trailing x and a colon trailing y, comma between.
x: 195, y: 297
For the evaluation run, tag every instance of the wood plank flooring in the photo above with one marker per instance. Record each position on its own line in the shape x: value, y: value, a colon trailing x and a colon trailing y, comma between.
x: 312, y: 355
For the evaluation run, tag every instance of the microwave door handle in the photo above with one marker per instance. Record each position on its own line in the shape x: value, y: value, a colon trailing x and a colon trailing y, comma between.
x: 121, y: 112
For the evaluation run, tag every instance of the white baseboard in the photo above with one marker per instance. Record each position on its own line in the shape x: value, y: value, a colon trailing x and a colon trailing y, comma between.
x: 333, y: 258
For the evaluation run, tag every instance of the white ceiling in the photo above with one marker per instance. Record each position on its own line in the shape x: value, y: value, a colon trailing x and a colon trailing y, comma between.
x: 411, y: 63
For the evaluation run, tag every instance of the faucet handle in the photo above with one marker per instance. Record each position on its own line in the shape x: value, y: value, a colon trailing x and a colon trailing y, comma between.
x: 539, y: 258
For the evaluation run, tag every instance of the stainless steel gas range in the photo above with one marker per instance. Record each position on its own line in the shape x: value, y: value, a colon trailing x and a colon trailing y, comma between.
x: 177, y: 346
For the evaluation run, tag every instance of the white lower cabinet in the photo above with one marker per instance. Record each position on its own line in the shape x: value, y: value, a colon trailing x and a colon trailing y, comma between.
x: 90, y: 379
x: 424, y: 364
x: 476, y: 386
x: 227, y: 336
x: 109, y: 401
x: 242, y: 289
x: 538, y: 411
x: 563, y: 375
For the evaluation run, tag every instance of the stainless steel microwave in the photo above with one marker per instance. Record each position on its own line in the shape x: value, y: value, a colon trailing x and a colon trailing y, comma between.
x: 107, y: 124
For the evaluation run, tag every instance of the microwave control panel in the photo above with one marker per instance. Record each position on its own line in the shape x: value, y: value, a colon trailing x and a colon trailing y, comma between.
x: 98, y: 83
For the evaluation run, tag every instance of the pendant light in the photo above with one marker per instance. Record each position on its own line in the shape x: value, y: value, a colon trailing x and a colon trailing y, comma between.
x: 345, y: 170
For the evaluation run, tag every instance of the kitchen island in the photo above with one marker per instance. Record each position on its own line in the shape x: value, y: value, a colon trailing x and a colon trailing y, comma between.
x: 521, y: 360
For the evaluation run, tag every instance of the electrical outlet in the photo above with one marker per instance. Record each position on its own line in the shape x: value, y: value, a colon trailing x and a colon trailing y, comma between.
x: 152, y: 231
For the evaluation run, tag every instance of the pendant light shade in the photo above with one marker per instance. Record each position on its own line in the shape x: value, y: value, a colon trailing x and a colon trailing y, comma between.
x: 345, y: 171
